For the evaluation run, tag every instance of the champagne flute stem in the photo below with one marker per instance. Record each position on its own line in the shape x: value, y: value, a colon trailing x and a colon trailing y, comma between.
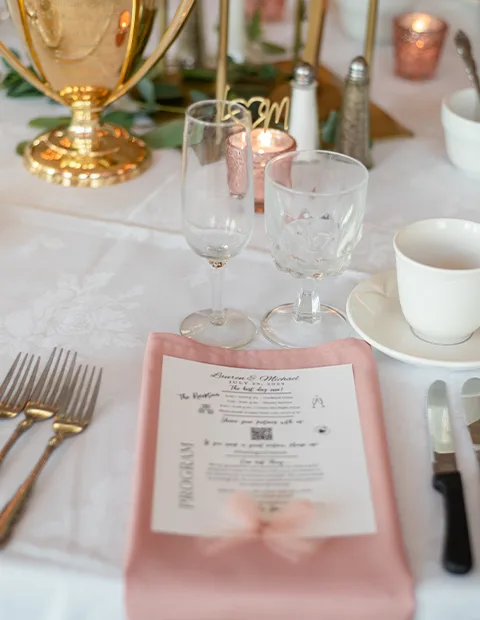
x: 307, y: 304
x: 217, y: 316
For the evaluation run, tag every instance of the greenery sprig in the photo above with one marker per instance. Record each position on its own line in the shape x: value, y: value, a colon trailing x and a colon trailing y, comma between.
x: 255, y: 34
x: 154, y: 99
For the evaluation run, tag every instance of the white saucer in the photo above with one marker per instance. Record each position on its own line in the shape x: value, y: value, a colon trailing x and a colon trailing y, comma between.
x: 374, y: 312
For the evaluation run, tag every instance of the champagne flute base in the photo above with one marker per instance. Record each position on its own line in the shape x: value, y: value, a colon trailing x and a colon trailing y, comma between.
x: 281, y: 327
x: 236, y: 331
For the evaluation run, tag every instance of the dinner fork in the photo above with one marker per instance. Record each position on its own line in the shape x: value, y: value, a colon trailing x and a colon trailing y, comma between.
x: 42, y: 401
x: 17, y: 385
x: 77, y: 405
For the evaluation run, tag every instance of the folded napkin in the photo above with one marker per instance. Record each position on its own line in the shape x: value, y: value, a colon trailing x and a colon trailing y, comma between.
x: 169, y: 577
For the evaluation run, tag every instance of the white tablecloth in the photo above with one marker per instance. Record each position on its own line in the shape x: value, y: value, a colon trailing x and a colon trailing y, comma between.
x: 98, y: 270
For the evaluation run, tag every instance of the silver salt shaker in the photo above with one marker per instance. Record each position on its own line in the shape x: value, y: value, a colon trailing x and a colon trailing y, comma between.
x: 353, y: 133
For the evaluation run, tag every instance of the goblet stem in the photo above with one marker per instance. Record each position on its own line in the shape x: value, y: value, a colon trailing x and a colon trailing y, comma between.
x: 307, y: 307
x: 217, y: 316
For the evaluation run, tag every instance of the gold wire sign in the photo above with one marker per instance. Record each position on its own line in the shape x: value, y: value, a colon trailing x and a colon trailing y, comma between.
x: 266, y: 110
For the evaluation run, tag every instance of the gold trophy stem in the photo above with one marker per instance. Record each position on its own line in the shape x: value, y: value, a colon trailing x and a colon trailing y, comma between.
x: 316, y: 22
x: 84, y: 128
x: 297, y: 39
x: 370, y: 33
x: 221, y: 82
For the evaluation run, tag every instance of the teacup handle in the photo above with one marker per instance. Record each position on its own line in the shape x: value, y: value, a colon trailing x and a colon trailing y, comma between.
x: 167, y: 39
x: 27, y: 75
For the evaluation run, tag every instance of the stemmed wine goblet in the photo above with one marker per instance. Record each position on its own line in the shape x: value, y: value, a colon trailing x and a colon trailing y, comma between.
x: 218, y: 209
x: 314, y: 209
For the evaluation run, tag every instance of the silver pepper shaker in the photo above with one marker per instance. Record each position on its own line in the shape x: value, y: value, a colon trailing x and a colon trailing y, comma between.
x: 303, y: 120
x: 353, y: 132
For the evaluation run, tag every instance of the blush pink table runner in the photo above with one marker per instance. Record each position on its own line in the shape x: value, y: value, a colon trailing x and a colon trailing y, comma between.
x: 349, y: 578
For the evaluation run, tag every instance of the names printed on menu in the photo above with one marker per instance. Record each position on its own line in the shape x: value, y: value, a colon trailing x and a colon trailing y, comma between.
x: 278, y: 435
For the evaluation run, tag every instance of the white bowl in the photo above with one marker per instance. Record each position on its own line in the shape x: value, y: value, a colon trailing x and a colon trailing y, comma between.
x: 353, y: 18
x: 461, y: 123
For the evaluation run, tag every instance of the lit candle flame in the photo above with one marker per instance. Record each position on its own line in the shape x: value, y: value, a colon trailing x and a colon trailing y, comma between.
x: 420, y: 24
x: 265, y: 138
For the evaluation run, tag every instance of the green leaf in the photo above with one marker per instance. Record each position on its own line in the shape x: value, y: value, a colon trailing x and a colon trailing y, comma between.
x: 254, y: 27
x: 329, y: 127
x: 146, y: 88
x: 303, y: 10
x: 199, y: 75
x: 164, y: 92
x: 197, y: 95
x: 267, y: 72
x: 22, y: 89
x: 11, y: 77
x: 49, y: 122
x: 272, y: 48
x: 21, y: 146
x: 120, y: 117
x: 166, y: 135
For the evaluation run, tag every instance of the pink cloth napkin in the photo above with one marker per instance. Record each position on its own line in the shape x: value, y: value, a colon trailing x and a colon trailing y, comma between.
x: 350, y: 578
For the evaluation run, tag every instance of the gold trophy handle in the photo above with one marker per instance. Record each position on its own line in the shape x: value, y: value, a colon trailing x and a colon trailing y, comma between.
x: 167, y: 39
x: 27, y: 75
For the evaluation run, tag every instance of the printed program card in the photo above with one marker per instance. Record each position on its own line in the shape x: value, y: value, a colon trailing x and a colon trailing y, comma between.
x: 279, y: 435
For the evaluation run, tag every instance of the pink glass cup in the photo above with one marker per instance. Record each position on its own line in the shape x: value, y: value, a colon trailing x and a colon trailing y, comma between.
x: 419, y: 40
x: 266, y: 144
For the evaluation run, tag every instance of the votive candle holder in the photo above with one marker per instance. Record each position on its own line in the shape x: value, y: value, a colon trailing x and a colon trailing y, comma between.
x: 266, y: 144
x: 419, y: 40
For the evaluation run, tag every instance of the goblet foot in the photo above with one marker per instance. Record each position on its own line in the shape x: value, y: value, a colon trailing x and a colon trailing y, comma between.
x: 236, y: 331
x: 115, y: 156
x: 281, y: 327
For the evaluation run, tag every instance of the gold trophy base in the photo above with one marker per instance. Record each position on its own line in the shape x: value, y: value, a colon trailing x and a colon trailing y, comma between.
x: 105, y: 156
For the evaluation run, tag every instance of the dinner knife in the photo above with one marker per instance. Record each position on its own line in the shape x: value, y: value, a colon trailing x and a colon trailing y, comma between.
x: 471, y: 408
x: 457, y: 554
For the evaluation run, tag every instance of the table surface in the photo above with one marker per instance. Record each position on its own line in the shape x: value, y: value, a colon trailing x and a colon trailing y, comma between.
x: 97, y: 270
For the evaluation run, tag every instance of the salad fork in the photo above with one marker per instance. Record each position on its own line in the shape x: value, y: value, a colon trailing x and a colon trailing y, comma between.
x: 42, y: 401
x: 17, y: 385
x: 77, y: 405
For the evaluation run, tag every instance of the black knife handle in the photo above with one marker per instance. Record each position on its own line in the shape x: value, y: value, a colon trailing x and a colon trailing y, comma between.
x: 457, y: 553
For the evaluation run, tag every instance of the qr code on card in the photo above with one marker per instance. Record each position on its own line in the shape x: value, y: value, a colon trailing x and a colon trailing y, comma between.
x: 261, y: 434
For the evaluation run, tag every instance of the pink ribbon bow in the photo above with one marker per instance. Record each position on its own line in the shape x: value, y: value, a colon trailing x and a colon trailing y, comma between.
x: 280, y: 534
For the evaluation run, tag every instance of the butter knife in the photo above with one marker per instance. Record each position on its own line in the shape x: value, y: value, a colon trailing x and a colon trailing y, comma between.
x: 457, y: 554
x: 471, y: 408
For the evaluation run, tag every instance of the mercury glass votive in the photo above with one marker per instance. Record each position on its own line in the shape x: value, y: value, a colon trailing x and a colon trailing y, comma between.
x: 419, y: 40
x: 266, y: 144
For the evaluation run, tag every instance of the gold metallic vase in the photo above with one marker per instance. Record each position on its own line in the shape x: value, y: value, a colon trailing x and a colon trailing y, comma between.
x: 85, y: 53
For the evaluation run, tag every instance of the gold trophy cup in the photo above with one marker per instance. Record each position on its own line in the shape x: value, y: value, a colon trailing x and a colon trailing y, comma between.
x: 85, y: 52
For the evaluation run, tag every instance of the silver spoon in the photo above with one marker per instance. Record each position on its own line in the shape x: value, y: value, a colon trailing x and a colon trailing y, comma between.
x: 464, y: 49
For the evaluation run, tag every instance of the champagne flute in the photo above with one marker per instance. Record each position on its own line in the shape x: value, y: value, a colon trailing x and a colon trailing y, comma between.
x: 218, y: 209
x: 314, y: 208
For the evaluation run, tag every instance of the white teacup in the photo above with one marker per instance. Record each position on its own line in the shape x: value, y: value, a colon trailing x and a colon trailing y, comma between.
x: 438, y: 273
x: 461, y: 123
